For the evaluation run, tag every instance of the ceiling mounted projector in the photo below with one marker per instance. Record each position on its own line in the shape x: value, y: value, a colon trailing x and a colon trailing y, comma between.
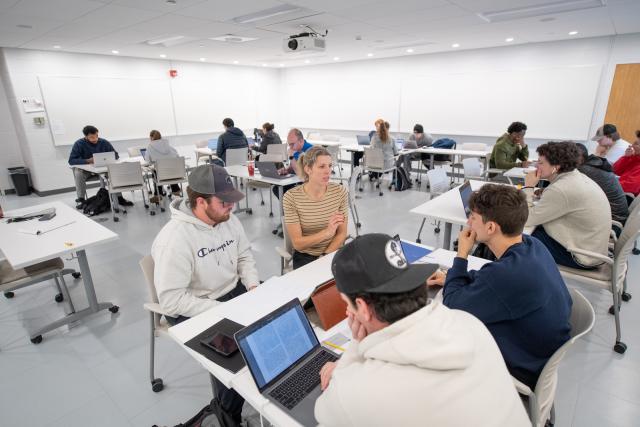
x: 310, y: 41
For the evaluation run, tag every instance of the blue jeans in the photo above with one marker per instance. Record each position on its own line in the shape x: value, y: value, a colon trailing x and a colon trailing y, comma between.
x: 230, y: 400
x: 558, y: 252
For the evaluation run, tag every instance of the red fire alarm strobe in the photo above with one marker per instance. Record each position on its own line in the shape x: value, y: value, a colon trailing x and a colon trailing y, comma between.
x: 173, y: 73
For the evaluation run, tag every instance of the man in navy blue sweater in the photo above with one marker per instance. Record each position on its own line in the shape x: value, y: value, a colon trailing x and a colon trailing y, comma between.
x: 82, y: 154
x: 520, y: 297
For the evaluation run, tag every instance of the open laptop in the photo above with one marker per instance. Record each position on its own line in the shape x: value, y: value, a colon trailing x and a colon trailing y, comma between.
x: 284, y: 357
x: 143, y: 153
x: 101, y: 159
x: 363, y: 140
x: 213, y: 143
x: 270, y: 170
x: 465, y: 195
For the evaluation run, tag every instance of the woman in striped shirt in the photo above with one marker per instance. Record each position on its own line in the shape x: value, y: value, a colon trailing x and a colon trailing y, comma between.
x: 315, y: 213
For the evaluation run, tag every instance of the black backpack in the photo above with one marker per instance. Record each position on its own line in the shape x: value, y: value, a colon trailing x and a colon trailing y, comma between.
x: 97, y: 204
x: 211, y: 415
x: 403, y: 180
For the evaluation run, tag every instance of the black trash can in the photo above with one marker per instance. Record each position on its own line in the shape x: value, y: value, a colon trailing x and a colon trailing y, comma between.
x: 20, y: 178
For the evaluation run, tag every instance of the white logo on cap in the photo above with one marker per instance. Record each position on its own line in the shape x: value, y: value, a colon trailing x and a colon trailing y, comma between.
x: 228, y: 179
x: 395, y: 256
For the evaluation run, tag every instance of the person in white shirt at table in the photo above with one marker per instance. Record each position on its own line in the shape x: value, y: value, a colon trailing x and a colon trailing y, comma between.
x: 610, y: 145
x: 410, y: 363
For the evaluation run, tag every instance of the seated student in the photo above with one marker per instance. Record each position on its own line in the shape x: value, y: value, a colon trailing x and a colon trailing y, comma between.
x: 383, y: 141
x: 315, y: 213
x: 520, y: 297
x: 297, y: 145
x: 573, y: 212
x: 159, y: 148
x: 410, y: 363
x: 231, y: 138
x: 418, y: 139
x: 610, y: 145
x: 601, y: 172
x: 268, y: 137
x: 628, y: 167
x: 203, y: 257
x: 358, y: 155
x: 82, y: 154
x: 510, y: 148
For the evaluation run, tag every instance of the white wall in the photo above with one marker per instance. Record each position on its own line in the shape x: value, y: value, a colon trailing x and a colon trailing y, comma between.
x: 48, y: 163
x: 9, y: 145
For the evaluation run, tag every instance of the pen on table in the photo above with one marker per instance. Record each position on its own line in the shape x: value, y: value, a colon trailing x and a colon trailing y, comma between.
x: 330, y: 344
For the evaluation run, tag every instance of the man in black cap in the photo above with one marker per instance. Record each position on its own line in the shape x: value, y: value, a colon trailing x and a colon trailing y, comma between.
x: 610, y: 145
x: 203, y: 257
x: 423, y: 363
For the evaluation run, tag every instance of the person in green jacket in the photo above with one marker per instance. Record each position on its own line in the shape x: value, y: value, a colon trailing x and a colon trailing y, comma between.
x: 510, y: 148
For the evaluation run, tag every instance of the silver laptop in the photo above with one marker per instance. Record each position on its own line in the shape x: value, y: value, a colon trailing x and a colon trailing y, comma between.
x: 465, y: 195
x: 284, y: 357
x: 270, y: 170
x: 101, y: 159
x: 363, y: 139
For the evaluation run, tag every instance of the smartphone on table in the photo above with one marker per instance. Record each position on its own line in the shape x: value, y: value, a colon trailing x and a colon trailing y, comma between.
x: 221, y: 343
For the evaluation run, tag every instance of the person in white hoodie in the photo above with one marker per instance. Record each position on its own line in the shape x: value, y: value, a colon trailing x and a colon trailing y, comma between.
x: 411, y: 362
x: 159, y: 148
x: 203, y: 257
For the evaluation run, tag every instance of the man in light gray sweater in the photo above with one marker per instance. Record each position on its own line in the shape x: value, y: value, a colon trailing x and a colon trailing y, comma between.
x: 573, y: 214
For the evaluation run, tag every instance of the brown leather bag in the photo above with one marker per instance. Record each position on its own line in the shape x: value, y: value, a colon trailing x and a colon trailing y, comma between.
x: 328, y: 305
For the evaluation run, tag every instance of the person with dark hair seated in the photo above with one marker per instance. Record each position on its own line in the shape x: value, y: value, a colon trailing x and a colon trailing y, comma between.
x: 510, y: 148
x: 82, y: 154
x: 231, y: 138
x: 418, y: 139
x: 269, y: 136
x: 628, y: 167
x: 520, y: 297
x: 600, y: 171
x: 610, y: 145
x: 573, y: 212
x: 424, y: 363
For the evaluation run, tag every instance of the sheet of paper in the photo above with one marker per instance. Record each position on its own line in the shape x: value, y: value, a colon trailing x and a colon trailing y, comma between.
x: 445, y: 259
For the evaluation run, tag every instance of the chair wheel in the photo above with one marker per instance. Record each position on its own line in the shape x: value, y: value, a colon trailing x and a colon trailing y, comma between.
x: 620, y: 347
x: 146, y: 206
x: 162, y: 209
x: 152, y: 213
x: 124, y: 212
x: 116, y: 219
x: 635, y: 251
x: 114, y: 309
x: 116, y: 210
x: 380, y: 193
x: 156, y: 385
x: 418, y: 241
x: 75, y: 275
x: 262, y: 203
x: 270, y: 214
x: 436, y: 230
x: 59, y: 298
x: 38, y: 339
x: 626, y: 296
x: 9, y: 295
x: 361, y: 190
x: 249, y: 211
x: 359, y: 225
x: 274, y: 231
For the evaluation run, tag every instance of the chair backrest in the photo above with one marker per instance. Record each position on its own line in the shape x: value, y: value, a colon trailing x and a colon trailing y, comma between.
x: 472, y: 167
x: 353, y: 182
x: 288, y: 246
x: 333, y: 138
x: 125, y: 174
x: 582, y: 320
x: 148, y: 266
x: 335, y: 154
x: 170, y: 168
x: 134, y: 151
x: 202, y: 144
x: 473, y: 146
x: 236, y: 156
x: 279, y: 150
x: 623, y: 246
x: 373, y: 158
x: 313, y: 135
x: 634, y: 204
x: 270, y: 158
x: 438, y: 182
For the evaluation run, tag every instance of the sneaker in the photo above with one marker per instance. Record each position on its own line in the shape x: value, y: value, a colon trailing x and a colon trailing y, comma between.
x: 155, y: 199
x: 80, y: 203
x: 124, y: 202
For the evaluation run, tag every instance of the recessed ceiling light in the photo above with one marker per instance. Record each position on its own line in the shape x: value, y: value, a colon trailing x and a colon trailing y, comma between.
x: 573, y: 33
x: 264, y: 65
x: 369, y: 55
x: 56, y: 46
x: 281, y: 65
x: 455, y: 45
x: 115, y: 52
x: 509, y: 39
x: 203, y: 59
x: 409, y: 50
x: 235, y: 62
x: 162, y: 55
x: 307, y: 62
x: 336, y: 58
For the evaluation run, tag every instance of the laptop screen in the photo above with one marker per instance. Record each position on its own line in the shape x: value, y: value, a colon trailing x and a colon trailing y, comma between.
x: 363, y: 139
x: 143, y: 152
x: 276, y: 342
x: 213, y: 143
x: 465, y: 194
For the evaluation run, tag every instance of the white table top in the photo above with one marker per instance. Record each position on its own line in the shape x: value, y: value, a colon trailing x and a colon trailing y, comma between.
x: 325, y: 143
x: 454, y: 151
x: 76, y: 232
x: 103, y: 169
x: 240, y: 171
x: 518, y: 172
x: 448, y: 206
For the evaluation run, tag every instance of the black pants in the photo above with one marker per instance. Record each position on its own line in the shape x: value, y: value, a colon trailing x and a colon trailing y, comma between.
x: 357, y: 156
x: 559, y: 253
x: 301, y: 259
x: 230, y: 400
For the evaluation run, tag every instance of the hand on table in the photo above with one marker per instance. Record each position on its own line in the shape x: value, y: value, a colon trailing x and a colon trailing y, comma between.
x: 437, y: 278
x: 90, y: 161
x: 325, y: 374
x: 525, y: 163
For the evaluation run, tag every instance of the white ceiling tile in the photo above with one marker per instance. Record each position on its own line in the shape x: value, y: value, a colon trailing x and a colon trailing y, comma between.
x: 158, y: 5
x: 331, y: 5
x: 62, y: 10
x: 319, y: 23
x: 9, y: 22
x: 625, y: 16
x: 222, y: 10
x: 171, y: 24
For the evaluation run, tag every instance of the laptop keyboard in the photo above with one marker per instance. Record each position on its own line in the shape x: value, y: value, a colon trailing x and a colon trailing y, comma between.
x: 295, y: 388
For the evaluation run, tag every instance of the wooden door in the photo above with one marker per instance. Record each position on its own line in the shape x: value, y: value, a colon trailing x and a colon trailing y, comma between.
x: 623, y: 109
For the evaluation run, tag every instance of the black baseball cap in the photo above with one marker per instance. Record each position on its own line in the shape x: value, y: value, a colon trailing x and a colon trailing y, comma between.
x: 375, y: 263
x: 213, y: 179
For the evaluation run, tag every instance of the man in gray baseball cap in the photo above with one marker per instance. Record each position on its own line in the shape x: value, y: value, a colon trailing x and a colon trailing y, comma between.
x: 203, y: 257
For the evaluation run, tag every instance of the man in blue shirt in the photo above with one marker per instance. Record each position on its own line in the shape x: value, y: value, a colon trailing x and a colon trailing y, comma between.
x: 520, y: 297
x: 297, y: 145
x: 82, y: 154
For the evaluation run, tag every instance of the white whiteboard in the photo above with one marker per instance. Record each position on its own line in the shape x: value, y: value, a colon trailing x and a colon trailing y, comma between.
x: 121, y: 108
x: 555, y: 103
